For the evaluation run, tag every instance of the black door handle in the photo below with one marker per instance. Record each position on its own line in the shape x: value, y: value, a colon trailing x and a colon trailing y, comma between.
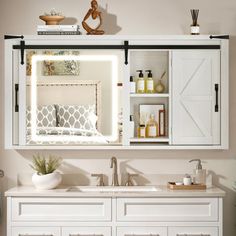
x: 16, y: 97
x: 217, y: 97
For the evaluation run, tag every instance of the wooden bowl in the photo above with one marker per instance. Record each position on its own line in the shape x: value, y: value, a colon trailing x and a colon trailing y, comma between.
x: 52, y: 20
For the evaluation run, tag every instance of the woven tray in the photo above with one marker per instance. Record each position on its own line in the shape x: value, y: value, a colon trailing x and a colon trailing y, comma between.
x: 173, y: 186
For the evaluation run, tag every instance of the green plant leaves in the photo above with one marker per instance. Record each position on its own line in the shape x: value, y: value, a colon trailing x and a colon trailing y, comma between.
x: 43, y: 166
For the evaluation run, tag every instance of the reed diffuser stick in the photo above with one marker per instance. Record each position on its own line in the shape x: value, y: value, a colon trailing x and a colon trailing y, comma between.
x: 195, y: 29
x: 194, y: 13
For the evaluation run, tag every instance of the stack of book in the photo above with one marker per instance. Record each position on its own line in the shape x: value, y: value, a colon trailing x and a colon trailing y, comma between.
x: 58, y: 30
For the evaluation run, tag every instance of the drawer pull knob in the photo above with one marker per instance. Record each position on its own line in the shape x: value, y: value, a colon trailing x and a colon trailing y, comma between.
x: 142, y: 235
x: 193, y: 235
x: 85, y: 235
x: 35, y: 234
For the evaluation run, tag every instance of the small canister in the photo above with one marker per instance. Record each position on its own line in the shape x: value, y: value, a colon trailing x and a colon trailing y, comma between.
x: 187, y: 180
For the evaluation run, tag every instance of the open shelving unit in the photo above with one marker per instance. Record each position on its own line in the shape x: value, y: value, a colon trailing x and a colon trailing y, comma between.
x: 158, y: 61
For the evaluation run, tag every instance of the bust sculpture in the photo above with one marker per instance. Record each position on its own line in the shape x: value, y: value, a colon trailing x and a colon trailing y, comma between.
x: 94, y: 15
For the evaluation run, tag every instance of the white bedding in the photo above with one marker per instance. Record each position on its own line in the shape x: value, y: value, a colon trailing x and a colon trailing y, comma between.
x: 61, y: 135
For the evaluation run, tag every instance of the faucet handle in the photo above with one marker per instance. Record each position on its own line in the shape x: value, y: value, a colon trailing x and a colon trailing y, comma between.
x: 100, y: 178
x: 129, y: 181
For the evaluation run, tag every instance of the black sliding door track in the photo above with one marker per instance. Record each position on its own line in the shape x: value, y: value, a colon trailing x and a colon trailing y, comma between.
x: 206, y: 47
x: 126, y: 46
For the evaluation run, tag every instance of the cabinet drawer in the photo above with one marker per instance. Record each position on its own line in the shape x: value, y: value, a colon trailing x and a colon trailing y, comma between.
x: 36, y: 231
x: 61, y: 209
x: 86, y: 231
x: 141, y: 231
x: 167, y: 209
x: 193, y: 231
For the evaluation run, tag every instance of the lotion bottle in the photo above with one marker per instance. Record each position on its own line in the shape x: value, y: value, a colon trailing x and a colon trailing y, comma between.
x: 132, y: 85
x: 131, y: 126
x: 140, y: 82
x: 199, y: 173
x: 152, y: 127
x: 149, y: 82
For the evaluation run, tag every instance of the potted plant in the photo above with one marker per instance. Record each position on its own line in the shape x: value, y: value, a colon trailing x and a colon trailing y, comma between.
x: 45, y: 177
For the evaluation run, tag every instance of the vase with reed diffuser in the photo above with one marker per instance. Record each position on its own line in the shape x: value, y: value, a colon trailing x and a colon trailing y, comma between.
x: 195, y: 27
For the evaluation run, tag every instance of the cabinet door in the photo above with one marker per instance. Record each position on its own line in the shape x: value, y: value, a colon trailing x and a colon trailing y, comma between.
x: 35, y: 231
x: 196, y: 97
x: 141, y: 231
x: 86, y: 231
x: 61, y: 209
x: 193, y: 231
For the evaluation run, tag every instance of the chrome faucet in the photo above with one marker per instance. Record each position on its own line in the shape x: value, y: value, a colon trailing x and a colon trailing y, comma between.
x: 115, y: 181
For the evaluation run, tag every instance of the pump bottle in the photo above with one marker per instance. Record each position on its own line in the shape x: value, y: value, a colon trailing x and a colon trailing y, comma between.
x: 199, y: 173
x: 140, y: 82
x: 149, y: 82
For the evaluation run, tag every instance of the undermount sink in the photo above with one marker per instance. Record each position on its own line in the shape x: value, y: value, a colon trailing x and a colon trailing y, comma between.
x: 105, y: 189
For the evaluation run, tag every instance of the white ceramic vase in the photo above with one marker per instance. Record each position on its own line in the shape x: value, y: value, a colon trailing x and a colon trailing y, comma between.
x: 46, y: 182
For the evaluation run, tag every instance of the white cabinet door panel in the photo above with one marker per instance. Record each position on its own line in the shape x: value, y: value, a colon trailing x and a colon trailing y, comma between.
x: 167, y: 209
x: 86, y: 231
x: 141, y: 231
x: 61, y: 209
x: 36, y: 231
x: 195, y: 75
x: 193, y: 231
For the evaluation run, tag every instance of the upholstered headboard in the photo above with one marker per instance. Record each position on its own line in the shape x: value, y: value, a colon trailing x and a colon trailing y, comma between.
x: 81, y: 92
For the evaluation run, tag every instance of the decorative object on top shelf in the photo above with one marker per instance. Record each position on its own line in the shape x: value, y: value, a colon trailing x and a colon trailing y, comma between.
x: 95, y: 17
x: 45, y: 177
x: 160, y: 87
x: 195, y: 28
x: 58, y: 30
x: 52, y: 18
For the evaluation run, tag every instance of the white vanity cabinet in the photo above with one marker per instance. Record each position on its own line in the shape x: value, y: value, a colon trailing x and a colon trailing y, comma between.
x: 191, y: 112
x: 114, y: 216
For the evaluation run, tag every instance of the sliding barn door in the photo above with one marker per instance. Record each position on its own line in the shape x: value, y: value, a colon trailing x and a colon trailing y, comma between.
x: 196, y: 97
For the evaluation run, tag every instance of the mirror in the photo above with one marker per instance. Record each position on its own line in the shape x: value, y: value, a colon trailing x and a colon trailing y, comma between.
x: 73, y: 97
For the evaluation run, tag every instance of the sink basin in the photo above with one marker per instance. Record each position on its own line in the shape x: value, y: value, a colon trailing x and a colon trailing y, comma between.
x: 105, y: 189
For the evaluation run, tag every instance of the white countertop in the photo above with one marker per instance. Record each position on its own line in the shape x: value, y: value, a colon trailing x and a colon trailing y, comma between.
x: 62, y: 191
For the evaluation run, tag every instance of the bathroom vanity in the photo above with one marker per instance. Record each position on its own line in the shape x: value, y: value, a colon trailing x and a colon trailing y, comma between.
x: 73, y: 92
x: 147, y: 211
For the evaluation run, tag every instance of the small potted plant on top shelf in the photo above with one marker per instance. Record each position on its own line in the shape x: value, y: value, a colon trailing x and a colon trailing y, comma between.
x: 46, y: 176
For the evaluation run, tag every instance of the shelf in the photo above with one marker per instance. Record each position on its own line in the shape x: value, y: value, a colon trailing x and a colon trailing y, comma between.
x: 149, y: 95
x: 150, y: 140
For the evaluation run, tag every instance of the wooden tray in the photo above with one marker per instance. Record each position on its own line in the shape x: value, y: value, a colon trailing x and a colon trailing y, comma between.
x: 173, y: 186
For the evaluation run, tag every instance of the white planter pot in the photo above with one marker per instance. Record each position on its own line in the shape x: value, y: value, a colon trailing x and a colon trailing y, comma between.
x: 46, y: 182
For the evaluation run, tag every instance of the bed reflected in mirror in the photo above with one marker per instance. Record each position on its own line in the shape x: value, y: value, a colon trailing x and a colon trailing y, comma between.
x: 73, y: 98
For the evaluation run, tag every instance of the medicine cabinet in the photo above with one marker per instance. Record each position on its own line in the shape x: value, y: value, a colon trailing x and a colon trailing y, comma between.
x: 74, y: 92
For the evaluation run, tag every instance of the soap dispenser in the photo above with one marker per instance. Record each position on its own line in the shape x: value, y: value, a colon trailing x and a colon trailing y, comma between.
x: 149, y: 82
x: 140, y: 82
x: 199, y: 173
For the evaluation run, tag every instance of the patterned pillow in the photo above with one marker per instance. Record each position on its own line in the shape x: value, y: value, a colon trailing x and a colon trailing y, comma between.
x: 76, y: 116
x: 46, y: 116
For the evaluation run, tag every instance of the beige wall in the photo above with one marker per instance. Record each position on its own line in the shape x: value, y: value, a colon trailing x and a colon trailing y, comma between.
x: 134, y: 17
